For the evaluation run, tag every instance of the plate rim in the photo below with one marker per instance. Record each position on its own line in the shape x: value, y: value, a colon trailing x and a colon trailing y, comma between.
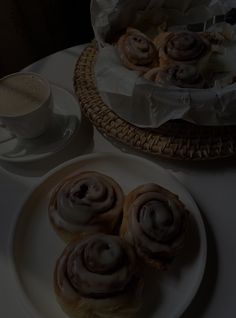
x: 27, y: 304
x: 47, y: 155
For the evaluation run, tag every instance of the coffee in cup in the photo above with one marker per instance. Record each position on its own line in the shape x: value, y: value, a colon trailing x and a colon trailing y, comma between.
x: 26, y: 105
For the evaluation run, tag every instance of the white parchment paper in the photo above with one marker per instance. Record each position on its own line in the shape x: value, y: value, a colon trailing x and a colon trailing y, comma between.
x: 141, y: 102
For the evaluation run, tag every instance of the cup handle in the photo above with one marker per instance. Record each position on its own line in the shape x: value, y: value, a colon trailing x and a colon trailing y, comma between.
x: 10, y: 135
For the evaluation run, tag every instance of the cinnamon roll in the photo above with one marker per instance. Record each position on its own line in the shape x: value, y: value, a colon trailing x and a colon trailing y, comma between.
x: 215, y: 38
x: 98, y: 277
x: 154, y: 222
x: 87, y: 202
x: 185, y: 47
x: 137, y: 51
x: 177, y: 75
x: 222, y: 35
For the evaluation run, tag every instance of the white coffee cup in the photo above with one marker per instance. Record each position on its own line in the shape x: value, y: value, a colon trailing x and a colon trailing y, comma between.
x: 26, y: 104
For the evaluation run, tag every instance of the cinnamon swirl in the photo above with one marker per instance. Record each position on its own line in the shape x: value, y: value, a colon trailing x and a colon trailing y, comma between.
x: 137, y: 51
x: 154, y: 223
x: 177, y: 75
x: 184, y: 47
x: 87, y: 202
x: 98, y: 277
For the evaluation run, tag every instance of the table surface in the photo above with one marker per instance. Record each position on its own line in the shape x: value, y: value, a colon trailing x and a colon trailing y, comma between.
x: 213, y: 186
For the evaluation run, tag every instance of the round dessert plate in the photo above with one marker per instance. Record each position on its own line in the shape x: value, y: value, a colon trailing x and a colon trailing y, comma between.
x: 66, y: 121
x: 34, y: 247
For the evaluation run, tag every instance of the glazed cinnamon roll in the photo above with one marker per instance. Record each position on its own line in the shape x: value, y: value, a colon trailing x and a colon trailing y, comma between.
x: 98, y: 277
x: 185, y: 47
x: 177, y: 75
x: 137, y: 51
x: 154, y: 222
x: 87, y: 202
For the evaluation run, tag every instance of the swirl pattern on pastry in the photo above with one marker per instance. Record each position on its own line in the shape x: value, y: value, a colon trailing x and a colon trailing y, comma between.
x: 86, y: 202
x: 137, y: 51
x: 184, y: 47
x: 99, y: 271
x: 97, y: 267
x: 177, y: 75
x: 155, y: 223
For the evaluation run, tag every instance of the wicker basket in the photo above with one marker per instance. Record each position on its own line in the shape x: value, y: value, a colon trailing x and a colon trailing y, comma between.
x: 175, y: 139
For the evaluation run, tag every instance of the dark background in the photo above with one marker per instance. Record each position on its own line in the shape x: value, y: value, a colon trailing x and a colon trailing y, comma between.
x: 32, y: 29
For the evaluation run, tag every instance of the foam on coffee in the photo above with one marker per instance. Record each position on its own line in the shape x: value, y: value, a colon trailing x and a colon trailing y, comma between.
x: 21, y: 94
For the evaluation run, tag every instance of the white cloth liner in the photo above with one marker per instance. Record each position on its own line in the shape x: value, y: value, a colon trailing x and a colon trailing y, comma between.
x: 141, y: 102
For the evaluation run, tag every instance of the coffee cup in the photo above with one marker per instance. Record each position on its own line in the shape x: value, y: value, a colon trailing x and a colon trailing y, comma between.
x: 26, y: 104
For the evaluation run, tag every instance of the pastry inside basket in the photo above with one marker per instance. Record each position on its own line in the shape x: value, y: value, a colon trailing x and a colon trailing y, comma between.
x: 183, y: 47
x: 177, y: 75
x: 173, y: 59
x: 137, y: 51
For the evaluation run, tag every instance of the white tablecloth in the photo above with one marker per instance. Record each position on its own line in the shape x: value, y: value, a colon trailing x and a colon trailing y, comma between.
x: 213, y: 185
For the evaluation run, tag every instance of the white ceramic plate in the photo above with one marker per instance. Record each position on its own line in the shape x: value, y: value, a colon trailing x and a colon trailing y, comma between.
x: 35, y: 247
x: 67, y: 117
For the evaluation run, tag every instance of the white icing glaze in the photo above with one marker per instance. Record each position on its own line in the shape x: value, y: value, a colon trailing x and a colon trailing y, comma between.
x: 102, y: 256
x: 115, y: 265
x: 156, y: 223
x: 76, y: 202
x: 81, y: 200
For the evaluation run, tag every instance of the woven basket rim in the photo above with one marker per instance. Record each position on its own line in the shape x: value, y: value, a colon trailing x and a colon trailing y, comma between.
x: 176, y: 139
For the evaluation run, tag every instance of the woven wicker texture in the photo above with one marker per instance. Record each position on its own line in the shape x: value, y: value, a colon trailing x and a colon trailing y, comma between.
x: 175, y: 139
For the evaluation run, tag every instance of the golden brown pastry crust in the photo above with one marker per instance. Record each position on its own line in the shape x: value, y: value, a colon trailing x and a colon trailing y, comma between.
x: 107, y: 220
x: 126, y: 303
x: 132, y: 231
x: 176, y: 75
x: 137, y: 51
x: 183, y: 47
x: 219, y: 37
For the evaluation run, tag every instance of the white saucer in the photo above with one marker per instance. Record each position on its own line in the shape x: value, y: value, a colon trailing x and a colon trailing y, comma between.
x: 34, y: 246
x: 67, y: 117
